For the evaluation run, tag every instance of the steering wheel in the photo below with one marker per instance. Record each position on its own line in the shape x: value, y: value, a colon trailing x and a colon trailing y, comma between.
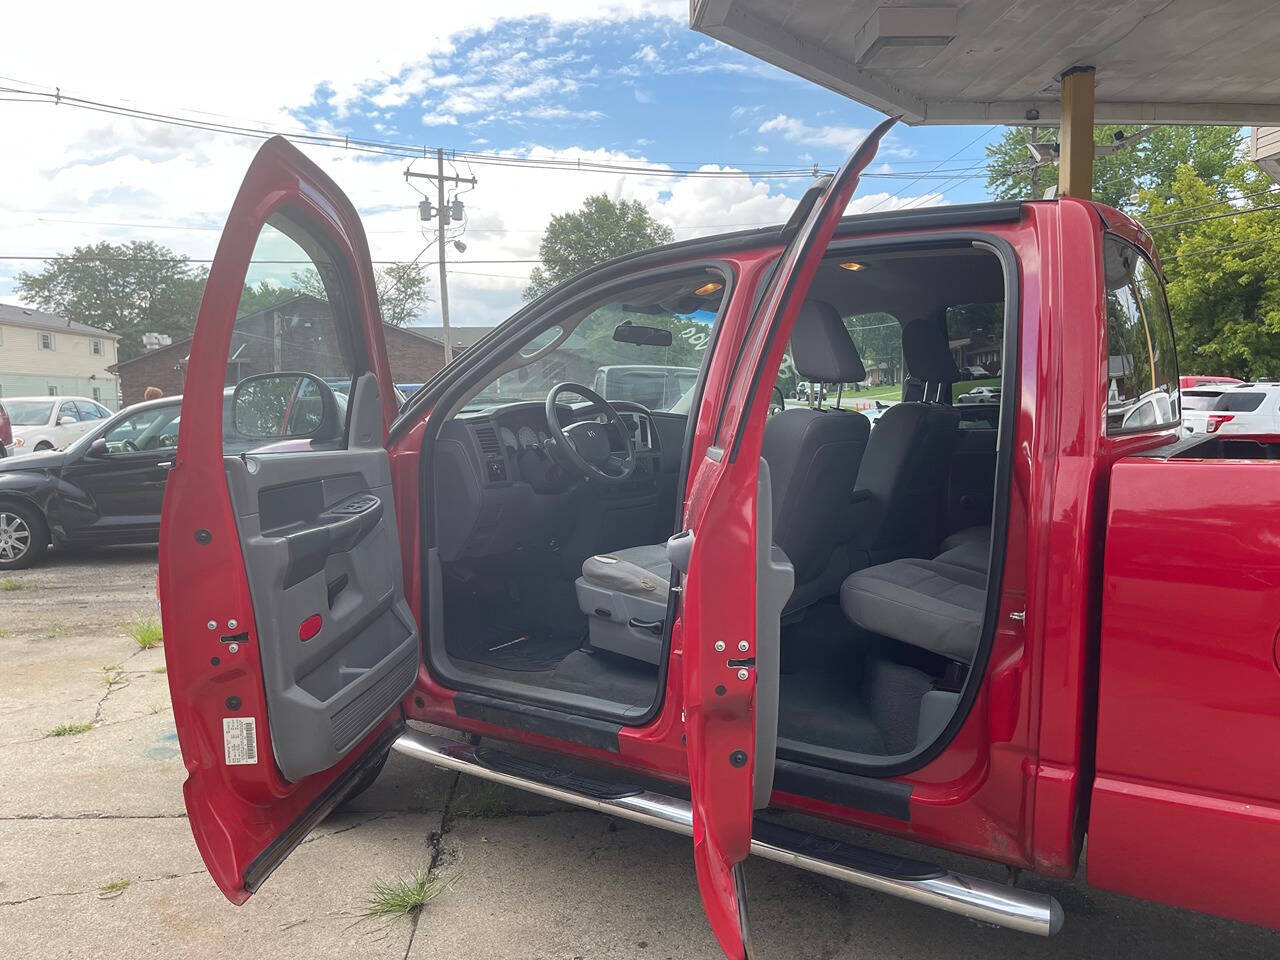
x: 128, y: 446
x: 584, y: 446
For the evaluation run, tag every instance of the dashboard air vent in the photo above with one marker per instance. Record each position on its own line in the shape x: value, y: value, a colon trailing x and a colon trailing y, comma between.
x: 488, y: 440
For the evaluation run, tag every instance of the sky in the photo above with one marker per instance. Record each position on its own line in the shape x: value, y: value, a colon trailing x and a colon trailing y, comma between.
x: 620, y: 81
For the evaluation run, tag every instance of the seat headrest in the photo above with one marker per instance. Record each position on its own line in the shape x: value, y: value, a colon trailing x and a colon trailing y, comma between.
x: 821, y: 348
x: 927, y: 353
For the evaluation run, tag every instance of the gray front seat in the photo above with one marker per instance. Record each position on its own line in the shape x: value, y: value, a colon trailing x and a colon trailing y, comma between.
x: 814, y: 457
x: 624, y: 595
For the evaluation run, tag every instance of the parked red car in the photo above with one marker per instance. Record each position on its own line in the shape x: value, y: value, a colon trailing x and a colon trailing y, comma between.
x: 1188, y: 380
x: 993, y: 628
x: 6, y: 434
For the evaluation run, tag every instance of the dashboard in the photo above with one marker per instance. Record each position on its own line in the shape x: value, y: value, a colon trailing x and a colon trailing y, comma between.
x: 497, y: 487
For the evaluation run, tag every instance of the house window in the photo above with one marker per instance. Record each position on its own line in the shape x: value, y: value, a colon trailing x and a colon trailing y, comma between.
x: 53, y: 391
x: 46, y: 341
x: 95, y: 347
x: 97, y: 391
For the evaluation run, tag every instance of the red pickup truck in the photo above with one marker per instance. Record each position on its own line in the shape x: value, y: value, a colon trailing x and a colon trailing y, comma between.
x: 997, y: 627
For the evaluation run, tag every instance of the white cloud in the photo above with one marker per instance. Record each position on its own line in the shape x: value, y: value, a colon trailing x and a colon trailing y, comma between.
x: 647, y: 54
x: 759, y: 148
x: 825, y: 136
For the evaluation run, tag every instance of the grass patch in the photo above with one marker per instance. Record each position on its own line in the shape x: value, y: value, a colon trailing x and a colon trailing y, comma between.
x: 113, y: 888
x: 56, y: 631
x: 10, y: 584
x: 404, y: 897
x: 5, y: 633
x: 145, y: 632
x: 69, y: 729
x: 161, y: 669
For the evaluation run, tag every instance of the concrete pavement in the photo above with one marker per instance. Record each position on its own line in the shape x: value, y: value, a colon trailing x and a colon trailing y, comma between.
x: 97, y: 860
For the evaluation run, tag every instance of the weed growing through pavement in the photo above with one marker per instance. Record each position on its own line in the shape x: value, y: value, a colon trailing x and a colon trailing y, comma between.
x: 112, y: 674
x: 69, y: 729
x: 405, y: 896
x: 56, y: 631
x: 160, y: 669
x: 145, y: 632
x: 9, y: 584
x: 113, y: 888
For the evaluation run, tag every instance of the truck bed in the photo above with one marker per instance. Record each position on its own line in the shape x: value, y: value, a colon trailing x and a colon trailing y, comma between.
x: 1185, y: 803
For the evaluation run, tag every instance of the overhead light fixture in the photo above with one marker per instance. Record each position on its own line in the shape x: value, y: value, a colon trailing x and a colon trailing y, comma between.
x: 851, y: 265
x: 904, y: 37
x: 708, y: 288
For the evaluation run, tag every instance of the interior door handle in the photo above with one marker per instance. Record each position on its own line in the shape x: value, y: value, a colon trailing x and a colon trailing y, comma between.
x: 332, y: 532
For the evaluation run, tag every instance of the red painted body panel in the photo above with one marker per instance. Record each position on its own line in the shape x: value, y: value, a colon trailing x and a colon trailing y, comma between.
x: 1186, y: 805
x: 237, y: 811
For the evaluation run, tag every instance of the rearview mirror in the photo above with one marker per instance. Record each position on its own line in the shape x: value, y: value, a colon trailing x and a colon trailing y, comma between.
x: 285, y: 406
x: 628, y: 332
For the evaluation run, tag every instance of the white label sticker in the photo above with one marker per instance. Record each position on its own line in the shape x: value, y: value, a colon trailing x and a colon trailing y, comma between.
x: 240, y: 739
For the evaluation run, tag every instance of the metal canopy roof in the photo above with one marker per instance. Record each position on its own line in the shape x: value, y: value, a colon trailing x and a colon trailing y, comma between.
x: 997, y: 61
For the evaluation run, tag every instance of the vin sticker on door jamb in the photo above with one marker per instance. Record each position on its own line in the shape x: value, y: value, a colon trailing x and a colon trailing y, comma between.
x: 240, y: 740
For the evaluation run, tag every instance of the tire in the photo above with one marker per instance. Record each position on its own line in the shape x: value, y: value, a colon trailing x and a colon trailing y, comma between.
x: 23, y: 536
x: 43, y: 445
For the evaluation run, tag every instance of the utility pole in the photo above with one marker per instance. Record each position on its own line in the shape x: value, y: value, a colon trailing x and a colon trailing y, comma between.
x: 443, y: 215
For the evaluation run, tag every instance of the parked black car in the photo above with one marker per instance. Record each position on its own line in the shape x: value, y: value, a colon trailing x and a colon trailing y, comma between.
x: 107, y: 487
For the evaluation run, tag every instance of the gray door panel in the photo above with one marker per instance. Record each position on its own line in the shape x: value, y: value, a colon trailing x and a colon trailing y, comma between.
x: 318, y: 534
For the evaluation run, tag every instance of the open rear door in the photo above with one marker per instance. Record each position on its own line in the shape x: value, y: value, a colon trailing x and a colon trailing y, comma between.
x: 288, y: 639
x: 735, y: 585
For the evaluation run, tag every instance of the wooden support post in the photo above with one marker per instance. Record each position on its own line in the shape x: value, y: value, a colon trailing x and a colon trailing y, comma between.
x: 1075, y: 158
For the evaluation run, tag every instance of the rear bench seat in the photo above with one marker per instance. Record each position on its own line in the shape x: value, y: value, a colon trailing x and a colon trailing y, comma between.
x: 935, y: 604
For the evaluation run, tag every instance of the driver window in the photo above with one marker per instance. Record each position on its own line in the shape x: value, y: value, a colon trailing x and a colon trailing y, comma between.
x: 154, y: 429
x: 620, y: 349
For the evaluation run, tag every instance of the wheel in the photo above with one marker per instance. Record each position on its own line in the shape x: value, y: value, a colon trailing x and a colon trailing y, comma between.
x: 23, y: 538
x: 43, y: 445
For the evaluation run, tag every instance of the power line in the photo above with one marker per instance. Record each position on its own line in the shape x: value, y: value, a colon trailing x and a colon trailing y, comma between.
x: 98, y: 259
x: 946, y: 161
x: 1215, y: 216
x: 407, y: 150
x: 1216, y: 203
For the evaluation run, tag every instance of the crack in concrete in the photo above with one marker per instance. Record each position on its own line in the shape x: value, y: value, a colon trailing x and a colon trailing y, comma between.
x: 97, y: 891
x: 93, y: 816
x: 435, y: 843
x: 113, y: 684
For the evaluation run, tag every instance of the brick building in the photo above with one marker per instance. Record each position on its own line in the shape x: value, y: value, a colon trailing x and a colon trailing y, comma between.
x: 296, y: 334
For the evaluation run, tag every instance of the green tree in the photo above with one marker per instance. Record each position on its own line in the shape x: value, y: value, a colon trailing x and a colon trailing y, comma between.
x: 127, y: 289
x: 599, y: 230
x: 1222, y: 271
x: 402, y: 290
x: 1150, y: 164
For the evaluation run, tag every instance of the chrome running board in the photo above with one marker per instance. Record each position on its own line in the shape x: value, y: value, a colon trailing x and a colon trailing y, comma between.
x: 982, y: 900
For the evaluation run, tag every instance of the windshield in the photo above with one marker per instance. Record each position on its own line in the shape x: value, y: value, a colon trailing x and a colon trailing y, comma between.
x: 29, y: 413
x: 645, y: 349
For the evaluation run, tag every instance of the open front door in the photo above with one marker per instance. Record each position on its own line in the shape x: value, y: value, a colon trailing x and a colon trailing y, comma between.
x: 735, y: 585
x: 288, y: 639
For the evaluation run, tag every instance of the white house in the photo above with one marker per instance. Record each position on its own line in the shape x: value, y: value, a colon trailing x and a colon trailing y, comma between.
x: 44, y: 354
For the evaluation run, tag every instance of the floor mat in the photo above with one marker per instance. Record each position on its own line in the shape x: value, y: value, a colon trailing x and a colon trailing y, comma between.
x: 824, y: 708
x: 526, y: 647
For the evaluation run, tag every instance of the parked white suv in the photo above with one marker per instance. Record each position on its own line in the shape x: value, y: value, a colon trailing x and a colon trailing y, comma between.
x: 1238, y: 408
x: 50, y: 423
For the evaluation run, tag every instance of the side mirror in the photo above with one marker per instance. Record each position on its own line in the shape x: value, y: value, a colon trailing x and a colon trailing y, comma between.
x: 66, y: 421
x: 98, y: 448
x: 628, y: 332
x: 285, y: 406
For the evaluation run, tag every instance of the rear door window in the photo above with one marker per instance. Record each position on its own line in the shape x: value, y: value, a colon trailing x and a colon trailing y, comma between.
x: 1141, y: 361
x: 1200, y: 399
x: 1240, y: 401
x: 975, y: 334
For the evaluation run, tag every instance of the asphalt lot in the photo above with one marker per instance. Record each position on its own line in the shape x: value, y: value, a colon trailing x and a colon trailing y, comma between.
x: 96, y: 859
